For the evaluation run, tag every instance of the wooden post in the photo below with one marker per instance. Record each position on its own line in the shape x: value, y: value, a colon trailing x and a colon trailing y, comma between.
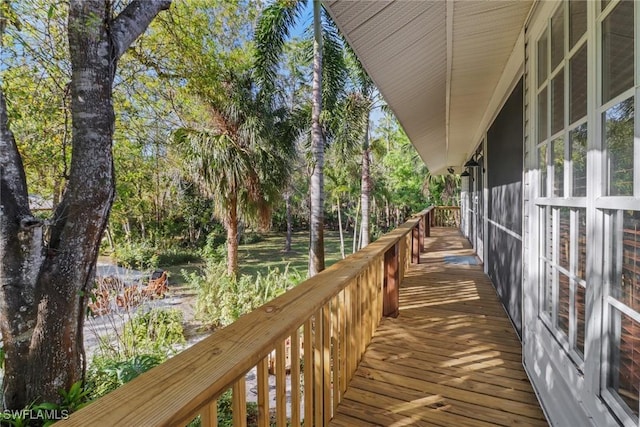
x: 391, y: 281
x: 415, y: 244
x: 427, y: 222
x: 423, y: 222
x: 432, y: 215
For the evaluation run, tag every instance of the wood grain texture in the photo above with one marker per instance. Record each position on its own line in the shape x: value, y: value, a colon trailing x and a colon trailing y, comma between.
x: 451, y: 358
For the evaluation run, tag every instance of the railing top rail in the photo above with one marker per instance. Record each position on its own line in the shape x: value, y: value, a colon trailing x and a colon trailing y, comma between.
x: 175, y: 390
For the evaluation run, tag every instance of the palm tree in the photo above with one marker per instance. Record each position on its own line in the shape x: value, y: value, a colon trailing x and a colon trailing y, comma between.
x: 273, y: 29
x: 239, y: 158
x: 361, y: 100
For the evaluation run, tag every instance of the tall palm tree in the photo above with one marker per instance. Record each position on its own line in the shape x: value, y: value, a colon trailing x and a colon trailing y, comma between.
x: 239, y: 158
x: 274, y: 27
x: 361, y: 100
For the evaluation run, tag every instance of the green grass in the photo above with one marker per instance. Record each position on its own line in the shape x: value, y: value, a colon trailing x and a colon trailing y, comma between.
x: 268, y: 253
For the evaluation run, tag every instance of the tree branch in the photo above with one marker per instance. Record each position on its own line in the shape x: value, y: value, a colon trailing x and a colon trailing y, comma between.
x: 11, y: 169
x: 133, y: 21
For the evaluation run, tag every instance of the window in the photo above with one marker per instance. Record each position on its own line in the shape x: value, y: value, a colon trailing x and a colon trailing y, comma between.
x: 585, y: 92
x: 621, y: 295
x: 562, y: 163
x: 622, y: 372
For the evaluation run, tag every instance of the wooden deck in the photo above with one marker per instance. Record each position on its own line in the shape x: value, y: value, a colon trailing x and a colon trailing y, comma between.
x: 451, y: 358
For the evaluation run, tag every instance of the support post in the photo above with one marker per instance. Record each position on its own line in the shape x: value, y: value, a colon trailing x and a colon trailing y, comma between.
x: 415, y: 244
x: 391, y: 306
x: 423, y: 230
x: 428, y: 223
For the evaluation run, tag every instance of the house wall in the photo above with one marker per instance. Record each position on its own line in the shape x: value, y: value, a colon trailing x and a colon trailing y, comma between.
x: 581, y: 235
x: 504, y: 207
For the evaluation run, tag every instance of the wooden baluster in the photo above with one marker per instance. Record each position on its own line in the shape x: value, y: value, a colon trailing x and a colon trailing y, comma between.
x: 343, y: 341
x: 209, y: 415
x: 281, y: 385
x: 318, y: 370
x: 263, y: 393
x: 352, y: 331
x: 239, y: 403
x: 308, y: 373
x: 335, y: 351
x: 370, y: 301
x: 427, y: 224
x: 358, y: 320
x: 326, y: 363
x: 295, y: 379
x: 378, y: 267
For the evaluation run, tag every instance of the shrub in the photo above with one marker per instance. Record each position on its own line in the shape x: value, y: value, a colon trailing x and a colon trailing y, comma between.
x: 139, y: 256
x: 154, y: 332
x: 251, y: 237
x: 174, y: 256
x: 47, y: 413
x: 107, y: 374
x: 222, y: 299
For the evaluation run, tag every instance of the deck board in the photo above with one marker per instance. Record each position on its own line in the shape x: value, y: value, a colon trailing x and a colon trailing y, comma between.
x: 452, y: 357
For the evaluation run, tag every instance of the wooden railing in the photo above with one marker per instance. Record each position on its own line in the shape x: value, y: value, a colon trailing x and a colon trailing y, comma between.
x: 327, y: 322
x: 446, y: 216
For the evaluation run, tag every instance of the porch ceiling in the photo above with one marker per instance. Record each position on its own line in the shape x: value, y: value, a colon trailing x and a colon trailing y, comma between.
x: 436, y: 63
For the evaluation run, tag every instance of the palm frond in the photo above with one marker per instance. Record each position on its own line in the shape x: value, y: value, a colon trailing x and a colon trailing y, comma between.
x: 272, y: 30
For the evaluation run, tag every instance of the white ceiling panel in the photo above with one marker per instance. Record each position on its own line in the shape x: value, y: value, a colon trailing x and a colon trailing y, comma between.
x: 404, y: 44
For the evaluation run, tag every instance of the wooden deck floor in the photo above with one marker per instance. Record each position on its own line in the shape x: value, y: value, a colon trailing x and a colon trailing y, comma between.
x: 451, y: 358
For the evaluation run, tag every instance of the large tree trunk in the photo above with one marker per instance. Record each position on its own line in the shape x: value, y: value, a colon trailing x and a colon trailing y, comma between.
x: 365, y: 188
x: 232, y: 236
x: 43, y: 284
x: 316, y: 190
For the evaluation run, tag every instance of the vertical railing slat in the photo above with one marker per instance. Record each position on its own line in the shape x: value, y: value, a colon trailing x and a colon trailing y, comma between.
x: 209, y: 415
x: 239, y: 403
x: 295, y: 379
x: 308, y: 373
x: 343, y: 341
x: 318, y: 370
x: 263, y: 393
x: 326, y: 363
x: 281, y: 385
x: 335, y: 351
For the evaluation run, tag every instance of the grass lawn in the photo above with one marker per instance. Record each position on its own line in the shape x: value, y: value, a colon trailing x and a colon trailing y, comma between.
x: 268, y: 253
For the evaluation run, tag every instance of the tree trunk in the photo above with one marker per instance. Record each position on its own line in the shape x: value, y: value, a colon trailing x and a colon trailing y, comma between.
x: 365, y: 189
x: 43, y: 288
x: 287, y: 243
x: 340, y: 228
x: 387, y: 214
x: 355, y: 228
x: 316, y: 189
x: 232, y: 236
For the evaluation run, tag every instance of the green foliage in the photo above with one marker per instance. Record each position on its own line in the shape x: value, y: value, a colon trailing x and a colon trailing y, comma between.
x: 251, y: 237
x: 225, y: 413
x: 107, y: 374
x: 154, y: 332
x: 47, y: 413
x: 139, y: 256
x: 223, y: 299
x: 144, y: 256
x: 174, y: 256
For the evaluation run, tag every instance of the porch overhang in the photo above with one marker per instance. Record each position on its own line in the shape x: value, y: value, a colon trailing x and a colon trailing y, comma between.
x: 439, y: 65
